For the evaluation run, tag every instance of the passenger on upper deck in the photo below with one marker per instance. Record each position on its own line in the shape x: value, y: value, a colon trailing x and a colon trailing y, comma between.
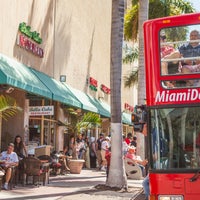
x: 192, y: 49
x: 165, y: 48
x: 168, y: 52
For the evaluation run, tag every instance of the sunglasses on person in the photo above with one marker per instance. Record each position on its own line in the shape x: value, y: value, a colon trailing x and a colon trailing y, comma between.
x: 163, y: 37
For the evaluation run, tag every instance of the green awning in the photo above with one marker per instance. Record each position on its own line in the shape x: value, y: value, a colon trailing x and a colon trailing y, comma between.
x: 126, y: 118
x: 90, y: 103
x: 83, y: 98
x: 18, y: 75
x: 103, y: 108
x: 21, y: 76
x: 60, y: 92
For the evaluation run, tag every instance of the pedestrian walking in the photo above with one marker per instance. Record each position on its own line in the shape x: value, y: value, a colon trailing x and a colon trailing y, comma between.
x: 98, y: 150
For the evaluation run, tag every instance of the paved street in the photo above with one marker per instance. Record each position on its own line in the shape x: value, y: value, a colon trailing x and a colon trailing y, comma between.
x: 74, y: 186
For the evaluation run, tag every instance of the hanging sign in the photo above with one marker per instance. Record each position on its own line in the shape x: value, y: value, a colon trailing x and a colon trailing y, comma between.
x: 41, y: 110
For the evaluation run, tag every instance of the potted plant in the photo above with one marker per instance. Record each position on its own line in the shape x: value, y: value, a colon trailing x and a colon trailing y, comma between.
x: 88, y: 120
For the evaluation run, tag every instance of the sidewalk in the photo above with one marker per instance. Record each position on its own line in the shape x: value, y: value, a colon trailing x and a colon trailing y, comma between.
x: 74, y: 186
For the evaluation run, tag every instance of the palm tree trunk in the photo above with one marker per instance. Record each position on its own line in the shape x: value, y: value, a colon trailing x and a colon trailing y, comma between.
x: 117, y: 176
x: 143, y: 16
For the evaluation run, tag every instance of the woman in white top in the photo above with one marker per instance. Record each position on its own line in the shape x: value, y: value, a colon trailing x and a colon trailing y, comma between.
x: 104, y: 146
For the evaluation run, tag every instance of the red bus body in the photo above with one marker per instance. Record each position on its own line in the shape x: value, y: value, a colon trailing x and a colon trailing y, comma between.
x: 174, y: 184
x: 167, y: 183
x: 152, y: 61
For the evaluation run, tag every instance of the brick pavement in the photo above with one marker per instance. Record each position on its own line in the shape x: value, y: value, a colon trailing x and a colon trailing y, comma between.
x: 74, y: 186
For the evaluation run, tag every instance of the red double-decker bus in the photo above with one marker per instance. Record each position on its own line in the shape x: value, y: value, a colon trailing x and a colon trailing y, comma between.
x: 172, y: 64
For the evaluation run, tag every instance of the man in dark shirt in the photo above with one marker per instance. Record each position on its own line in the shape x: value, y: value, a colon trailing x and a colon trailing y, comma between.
x: 192, y: 49
x: 98, y: 149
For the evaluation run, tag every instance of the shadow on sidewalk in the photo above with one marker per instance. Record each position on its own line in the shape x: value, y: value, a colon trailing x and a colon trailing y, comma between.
x: 40, y: 196
x: 70, y: 186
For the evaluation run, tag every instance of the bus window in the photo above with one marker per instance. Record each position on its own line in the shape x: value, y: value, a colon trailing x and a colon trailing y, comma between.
x: 175, y: 138
x: 185, y: 83
x: 180, y: 52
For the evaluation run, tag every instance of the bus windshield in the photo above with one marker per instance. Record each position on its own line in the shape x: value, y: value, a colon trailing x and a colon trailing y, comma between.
x: 175, y: 134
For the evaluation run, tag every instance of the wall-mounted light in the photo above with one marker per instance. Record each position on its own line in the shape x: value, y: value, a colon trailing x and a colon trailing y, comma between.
x: 62, y: 78
x: 10, y: 90
x: 99, y: 98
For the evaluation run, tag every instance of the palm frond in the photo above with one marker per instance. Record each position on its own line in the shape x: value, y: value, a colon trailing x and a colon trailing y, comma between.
x: 130, y: 54
x: 131, y: 23
x: 89, y: 120
x: 8, y: 107
x: 131, y: 79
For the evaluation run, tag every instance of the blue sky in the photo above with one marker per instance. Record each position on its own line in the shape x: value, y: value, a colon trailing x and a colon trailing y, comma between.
x: 196, y: 4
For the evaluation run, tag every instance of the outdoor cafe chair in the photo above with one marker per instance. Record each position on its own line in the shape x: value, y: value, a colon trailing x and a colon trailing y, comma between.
x: 46, y: 164
x: 33, y: 168
x: 133, y: 171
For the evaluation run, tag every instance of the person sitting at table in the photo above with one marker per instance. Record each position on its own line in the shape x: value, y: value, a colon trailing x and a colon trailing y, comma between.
x: 9, y: 159
x: 63, y: 158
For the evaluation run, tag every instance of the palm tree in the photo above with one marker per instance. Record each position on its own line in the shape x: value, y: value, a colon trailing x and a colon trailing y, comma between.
x: 90, y: 120
x: 143, y: 16
x: 117, y: 177
x: 130, y: 54
x: 156, y: 9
